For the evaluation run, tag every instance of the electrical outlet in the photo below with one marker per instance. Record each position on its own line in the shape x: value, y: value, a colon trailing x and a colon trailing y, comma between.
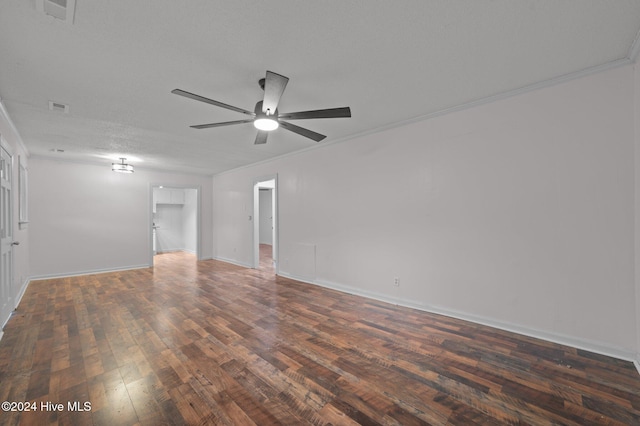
x: 396, y: 281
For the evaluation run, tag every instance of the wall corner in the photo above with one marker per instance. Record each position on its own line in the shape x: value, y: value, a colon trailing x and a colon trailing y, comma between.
x: 636, y: 167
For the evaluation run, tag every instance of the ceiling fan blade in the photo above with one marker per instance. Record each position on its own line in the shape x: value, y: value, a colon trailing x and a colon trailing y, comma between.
x: 302, y: 131
x: 210, y: 101
x: 261, y: 137
x: 224, y: 123
x: 319, y: 113
x: 274, y: 86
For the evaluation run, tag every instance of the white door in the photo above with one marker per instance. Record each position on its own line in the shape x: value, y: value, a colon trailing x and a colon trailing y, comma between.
x: 6, y: 238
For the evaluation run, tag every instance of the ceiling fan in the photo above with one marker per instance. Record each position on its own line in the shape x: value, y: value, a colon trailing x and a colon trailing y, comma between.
x: 265, y: 116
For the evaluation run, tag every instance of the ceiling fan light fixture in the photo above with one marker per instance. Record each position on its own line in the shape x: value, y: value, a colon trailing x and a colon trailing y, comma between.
x: 265, y: 116
x: 122, y: 167
x: 266, y: 124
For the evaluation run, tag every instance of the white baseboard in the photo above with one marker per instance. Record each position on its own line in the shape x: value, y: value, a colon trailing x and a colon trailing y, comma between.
x: 87, y: 272
x: 574, y: 342
x: 559, y: 338
x: 16, y: 303
x: 5, y: 322
x: 23, y: 289
x: 232, y: 261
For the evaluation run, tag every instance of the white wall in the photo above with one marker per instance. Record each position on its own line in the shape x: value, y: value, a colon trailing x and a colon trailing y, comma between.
x: 170, y: 228
x: 12, y: 141
x: 190, y: 220
x: 266, y: 216
x: 518, y: 213
x: 176, y: 224
x: 86, y: 218
x: 232, y: 227
x: 636, y: 116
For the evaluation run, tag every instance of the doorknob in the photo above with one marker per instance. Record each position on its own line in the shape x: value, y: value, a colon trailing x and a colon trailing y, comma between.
x: 15, y: 243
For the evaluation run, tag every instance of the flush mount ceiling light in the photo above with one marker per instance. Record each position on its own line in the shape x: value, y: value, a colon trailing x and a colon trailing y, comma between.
x: 122, y: 167
x: 264, y: 122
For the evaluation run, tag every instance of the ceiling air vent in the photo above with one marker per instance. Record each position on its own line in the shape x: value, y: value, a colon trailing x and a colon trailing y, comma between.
x: 60, y: 9
x: 58, y: 107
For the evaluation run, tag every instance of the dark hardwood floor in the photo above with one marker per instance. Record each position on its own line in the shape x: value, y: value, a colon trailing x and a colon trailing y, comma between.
x: 266, y: 259
x: 198, y: 343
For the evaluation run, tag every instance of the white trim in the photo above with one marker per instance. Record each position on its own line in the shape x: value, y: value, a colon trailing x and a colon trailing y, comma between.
x: 232, y: 261
x: 636, y: 362
x: 255, y: 239
x: 634, y: 49
x: 198, y: 189
x: 88, y: 272
x: 479, y: 102
x: 14, y: 129
x: 21, y: 293
x: 17, y: 303
x: 5, y: 144
x: 6, y: 321
x: 562, y: 339
x: 4, y: 324
x: 578, y: 343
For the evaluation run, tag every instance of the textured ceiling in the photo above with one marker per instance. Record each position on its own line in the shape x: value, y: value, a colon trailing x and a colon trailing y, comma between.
x: 390, y: 61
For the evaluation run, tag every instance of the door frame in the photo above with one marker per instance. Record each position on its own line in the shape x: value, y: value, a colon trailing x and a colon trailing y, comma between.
x: 255, y: 241
x: 8, y: 304
x: 198, y: 189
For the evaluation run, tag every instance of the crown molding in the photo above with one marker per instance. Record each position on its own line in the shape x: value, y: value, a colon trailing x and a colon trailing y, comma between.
x: 464, y: 106
x: 634, y: 50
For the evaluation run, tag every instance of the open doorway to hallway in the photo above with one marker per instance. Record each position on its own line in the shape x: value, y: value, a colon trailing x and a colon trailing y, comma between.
x: 265, y: 229
x: 175, y: 220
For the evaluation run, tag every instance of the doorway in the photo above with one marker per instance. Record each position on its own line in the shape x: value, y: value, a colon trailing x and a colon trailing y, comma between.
x: 6, y: 236
x: 265, y: 223
x: 175, y: 220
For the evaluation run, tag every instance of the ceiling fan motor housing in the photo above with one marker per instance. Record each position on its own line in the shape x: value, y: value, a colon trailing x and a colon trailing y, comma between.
x: 259, y: 114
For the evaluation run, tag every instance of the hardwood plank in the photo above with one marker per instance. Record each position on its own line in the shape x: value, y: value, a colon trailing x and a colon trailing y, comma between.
x: 190, y: 342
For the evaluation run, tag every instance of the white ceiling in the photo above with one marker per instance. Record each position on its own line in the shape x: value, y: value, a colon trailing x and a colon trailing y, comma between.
x: 390, y: 61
